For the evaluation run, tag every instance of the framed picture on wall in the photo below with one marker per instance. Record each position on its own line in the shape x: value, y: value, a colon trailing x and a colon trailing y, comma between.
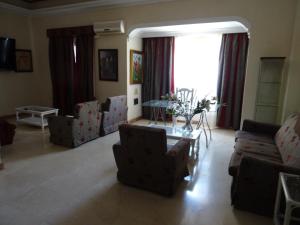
x: 108, y: 64
x: 136, y: 67
x: 23, y: 61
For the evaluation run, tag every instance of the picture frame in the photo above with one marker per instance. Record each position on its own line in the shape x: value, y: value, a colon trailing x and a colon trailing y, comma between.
x: 136, y: 67
x: 108, y: 64
x: 23, y: 60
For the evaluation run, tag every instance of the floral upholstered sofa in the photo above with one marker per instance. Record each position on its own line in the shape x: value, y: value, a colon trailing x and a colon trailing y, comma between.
x: 262, y: 151
x: 74, y: 131
x: 114, y: 112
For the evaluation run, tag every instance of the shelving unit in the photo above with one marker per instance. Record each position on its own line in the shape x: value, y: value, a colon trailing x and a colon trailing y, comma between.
x: 269, y: 90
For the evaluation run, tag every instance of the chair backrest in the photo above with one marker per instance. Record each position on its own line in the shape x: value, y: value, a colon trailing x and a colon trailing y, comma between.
x: 87, y: 110
x: 185, y: 95
x: 143, y: 144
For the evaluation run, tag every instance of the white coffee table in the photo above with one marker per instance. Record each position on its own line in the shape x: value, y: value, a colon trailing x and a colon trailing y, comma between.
x: 178, y: 133
x: 37, y: 115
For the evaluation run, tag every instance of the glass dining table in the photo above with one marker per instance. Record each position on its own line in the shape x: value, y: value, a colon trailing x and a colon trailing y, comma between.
x: 157, y: 109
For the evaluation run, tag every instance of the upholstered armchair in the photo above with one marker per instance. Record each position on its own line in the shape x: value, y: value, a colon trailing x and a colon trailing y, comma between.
x: 7, y: 132
x: 73, y: 131
x: 114, y: 112
x: 144, y: 159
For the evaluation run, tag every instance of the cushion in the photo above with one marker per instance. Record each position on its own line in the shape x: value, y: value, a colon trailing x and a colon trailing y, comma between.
x: 237, y: 156
x: 288, y: 141
x: 258, y: 148
x: 255, y: 149
x: 254, y: 137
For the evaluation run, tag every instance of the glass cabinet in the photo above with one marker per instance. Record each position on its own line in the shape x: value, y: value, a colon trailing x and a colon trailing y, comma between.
x: 270, y: 89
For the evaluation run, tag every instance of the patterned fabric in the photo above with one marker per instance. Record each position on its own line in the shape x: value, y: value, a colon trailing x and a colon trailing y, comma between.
x: 288, y: 141
x: 70, y: 131
x: 114, y: 113
x: 144, y: 160
x: 256, y: 163
x: 87, y: 126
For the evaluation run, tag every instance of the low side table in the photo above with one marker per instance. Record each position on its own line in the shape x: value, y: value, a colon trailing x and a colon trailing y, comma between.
x: 35, y: 115
x: 289, y: 184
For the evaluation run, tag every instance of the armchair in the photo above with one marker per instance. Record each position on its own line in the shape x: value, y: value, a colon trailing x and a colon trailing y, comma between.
x: 144, y: 159
x: 74, y: 131
x: 114, y: 112
x: 7, y: 132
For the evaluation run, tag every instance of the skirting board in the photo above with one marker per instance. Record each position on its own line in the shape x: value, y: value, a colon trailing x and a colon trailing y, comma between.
x: 135, y: 119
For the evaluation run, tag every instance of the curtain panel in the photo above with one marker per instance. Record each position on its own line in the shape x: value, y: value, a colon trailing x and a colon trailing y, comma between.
x: 232, y: 70
x: 158, y: 69
x: 71, y: 57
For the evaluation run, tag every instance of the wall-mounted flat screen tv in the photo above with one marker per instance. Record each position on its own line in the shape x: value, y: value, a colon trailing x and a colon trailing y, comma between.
x: 7, y: 53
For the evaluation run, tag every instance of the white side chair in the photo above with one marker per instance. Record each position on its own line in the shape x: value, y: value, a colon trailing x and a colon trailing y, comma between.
x: 185, y: 95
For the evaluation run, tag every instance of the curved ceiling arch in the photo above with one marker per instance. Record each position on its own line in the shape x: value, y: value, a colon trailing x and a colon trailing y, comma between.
x: 190, y: 27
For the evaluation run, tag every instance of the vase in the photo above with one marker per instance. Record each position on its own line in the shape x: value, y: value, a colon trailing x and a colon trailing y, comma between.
x: 188, y: 126
x: 174, y: 120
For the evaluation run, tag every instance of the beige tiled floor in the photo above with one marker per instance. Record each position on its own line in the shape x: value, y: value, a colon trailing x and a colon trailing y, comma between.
x: 44, y: 184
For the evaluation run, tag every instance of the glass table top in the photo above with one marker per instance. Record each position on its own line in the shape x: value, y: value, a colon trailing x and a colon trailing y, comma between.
x: 158, y: 103
x: 178, y: 132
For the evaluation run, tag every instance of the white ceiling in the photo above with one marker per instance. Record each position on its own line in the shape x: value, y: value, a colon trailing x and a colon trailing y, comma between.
x: 189, y: 29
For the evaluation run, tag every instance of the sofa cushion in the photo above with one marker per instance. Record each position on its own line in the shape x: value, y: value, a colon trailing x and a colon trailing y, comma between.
x: 237, y: 156
x: 255, y: 149
x: 240, y: 134
x: 288, y: 141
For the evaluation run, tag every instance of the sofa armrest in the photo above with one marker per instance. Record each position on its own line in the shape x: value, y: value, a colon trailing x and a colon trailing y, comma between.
x: 258, y: 127
x: 255, y: 184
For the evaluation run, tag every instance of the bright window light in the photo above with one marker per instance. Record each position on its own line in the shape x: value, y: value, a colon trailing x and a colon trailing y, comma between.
x: 196, y: 63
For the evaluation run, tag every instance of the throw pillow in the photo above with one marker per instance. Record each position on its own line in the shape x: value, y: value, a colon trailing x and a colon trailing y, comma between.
x: 288, y: 142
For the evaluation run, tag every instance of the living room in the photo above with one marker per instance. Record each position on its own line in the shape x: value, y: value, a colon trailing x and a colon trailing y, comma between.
x: 274, y: 32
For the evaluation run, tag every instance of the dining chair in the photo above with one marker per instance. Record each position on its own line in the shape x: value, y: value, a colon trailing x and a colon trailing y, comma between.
x: 185, y: 95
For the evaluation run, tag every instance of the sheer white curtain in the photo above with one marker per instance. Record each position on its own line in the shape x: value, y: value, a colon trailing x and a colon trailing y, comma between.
x: 196, y: 63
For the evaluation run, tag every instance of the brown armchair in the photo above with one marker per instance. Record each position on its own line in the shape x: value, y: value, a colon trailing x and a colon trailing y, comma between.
x: 144, y: 159
x: 7, y: 132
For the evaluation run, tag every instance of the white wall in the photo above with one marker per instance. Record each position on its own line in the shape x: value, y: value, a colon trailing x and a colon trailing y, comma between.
x: 17, y: 89
x: 292, y: 97
x: 104, y: 89
x: 133, y: 90
x: 271, y: 33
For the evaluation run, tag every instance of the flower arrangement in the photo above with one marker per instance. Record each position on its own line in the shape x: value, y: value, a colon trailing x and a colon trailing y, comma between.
x: 204, y: 104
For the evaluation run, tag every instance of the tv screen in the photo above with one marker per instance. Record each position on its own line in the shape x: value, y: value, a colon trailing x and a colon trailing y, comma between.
x: 7, y: 53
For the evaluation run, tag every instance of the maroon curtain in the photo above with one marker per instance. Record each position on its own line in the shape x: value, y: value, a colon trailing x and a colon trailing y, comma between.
x: 71, y: 75
x: 158, y: 69
x: 232, y: 69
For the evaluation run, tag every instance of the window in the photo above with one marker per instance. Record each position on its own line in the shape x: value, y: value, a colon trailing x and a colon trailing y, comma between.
x: 196, y: 63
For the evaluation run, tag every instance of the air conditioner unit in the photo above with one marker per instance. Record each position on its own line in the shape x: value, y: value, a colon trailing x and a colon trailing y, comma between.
x: 109, y: 27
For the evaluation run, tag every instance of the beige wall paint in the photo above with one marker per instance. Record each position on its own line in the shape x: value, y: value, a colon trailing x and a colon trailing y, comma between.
x: 133, y: 90
x: 17, y: 89
x: 292, y: 103
x: 271, y: 33
x: 104, y: 89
